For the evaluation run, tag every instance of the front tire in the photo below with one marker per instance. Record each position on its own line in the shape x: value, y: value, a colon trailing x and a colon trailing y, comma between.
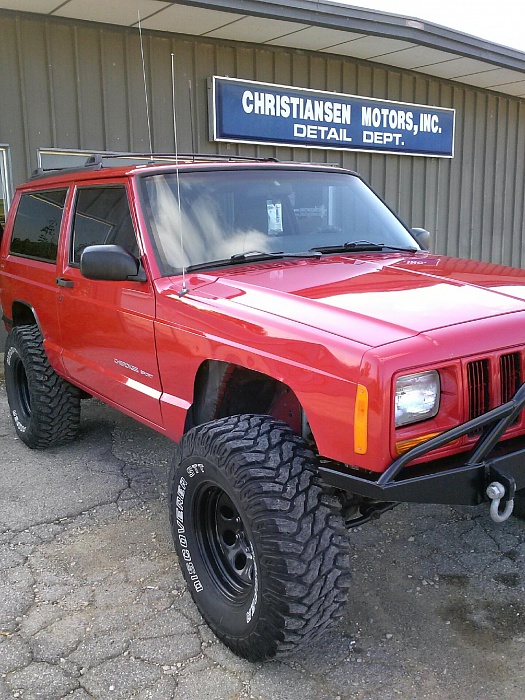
x: 44, y: 407
x: 263, y: 548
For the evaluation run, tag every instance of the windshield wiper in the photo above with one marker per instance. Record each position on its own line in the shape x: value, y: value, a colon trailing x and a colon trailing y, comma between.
x: 260, y: 255
x: 253, y: 256
x: 362, y: 247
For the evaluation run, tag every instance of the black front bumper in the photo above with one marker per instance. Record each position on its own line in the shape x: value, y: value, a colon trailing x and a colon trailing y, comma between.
x: 460, y: 480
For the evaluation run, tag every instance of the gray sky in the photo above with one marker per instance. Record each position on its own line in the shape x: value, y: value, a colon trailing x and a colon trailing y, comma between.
x: 499, y: 21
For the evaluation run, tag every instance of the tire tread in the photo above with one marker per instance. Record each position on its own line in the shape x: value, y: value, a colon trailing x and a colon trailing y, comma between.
x: 55, y: 404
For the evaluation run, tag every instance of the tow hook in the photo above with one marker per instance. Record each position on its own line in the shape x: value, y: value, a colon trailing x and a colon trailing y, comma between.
x: 496, y: 491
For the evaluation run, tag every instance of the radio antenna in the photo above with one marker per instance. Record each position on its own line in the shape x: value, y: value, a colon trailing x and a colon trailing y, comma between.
x: 145, y: 87
x: 184, y: 289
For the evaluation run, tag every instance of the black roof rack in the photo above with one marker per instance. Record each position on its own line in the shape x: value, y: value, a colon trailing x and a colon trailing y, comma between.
x: 96, y: 161
x: 155, y: 157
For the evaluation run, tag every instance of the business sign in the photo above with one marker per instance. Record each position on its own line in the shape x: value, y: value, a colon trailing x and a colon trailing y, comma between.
x: 279, y: 115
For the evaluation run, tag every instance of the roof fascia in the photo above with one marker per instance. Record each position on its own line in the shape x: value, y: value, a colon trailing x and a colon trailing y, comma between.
x: 373, y: 22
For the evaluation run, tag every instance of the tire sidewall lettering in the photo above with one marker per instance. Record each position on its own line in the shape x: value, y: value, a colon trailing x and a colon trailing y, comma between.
x: 19, y: 425
x: 190, y: 477
x: 12, y: 355
x: 180, y: 525
x: 195, y: 469
x: 255, y: 599
x: 12, y: 351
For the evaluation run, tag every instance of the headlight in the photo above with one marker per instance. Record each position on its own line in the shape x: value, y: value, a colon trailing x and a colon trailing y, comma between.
x: 417, y: 397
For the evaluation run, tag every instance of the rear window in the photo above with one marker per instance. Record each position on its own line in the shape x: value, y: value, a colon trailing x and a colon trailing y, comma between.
x: 37, y: 225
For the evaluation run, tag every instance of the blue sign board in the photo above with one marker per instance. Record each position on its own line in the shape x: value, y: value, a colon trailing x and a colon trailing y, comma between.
x: 251, y: 112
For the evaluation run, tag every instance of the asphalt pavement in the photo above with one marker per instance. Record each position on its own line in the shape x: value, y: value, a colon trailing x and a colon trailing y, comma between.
x: 93, y: 604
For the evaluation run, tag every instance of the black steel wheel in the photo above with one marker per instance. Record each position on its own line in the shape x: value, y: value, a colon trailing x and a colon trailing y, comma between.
x: 262, y: 547
x: 224, y: 543
x: 44, y: 407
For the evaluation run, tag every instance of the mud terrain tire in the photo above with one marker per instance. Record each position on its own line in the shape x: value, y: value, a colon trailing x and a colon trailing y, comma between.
x: 262, y: 547
x: 44, y: 407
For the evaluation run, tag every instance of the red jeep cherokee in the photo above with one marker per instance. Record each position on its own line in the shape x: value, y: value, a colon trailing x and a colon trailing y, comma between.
x: 315, y: 364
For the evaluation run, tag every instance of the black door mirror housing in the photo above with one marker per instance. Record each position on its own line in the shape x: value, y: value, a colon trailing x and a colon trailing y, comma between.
x: 422, y: 236
x: 111, y: 263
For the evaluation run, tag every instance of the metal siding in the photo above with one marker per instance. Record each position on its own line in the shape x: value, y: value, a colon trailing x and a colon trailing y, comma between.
x: 487, y: 184
x: 203, y: 67
x: 34, y: 69
x: 519, y: 186
x: 114, y: 90
x: 479, y: 129
x: 61, y: 55
x: 469, y: 174
x: 184, y: 68
x: 160, y: 92
x: 92, y: 114
x: 78, y: 85
x: 135, y: 113
x: 12, y: 109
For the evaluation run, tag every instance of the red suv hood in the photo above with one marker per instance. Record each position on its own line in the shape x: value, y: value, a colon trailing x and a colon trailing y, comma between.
x: 375, y: 299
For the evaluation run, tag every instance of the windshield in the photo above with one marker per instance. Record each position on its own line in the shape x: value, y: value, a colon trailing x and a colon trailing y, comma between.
x: 230, y: 213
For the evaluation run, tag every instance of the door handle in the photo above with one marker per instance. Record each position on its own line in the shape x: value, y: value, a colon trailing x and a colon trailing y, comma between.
x: 63, y: 282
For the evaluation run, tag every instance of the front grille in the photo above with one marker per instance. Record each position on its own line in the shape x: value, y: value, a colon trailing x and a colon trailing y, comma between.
x: 478, y: 388
x: 510, y: 375
x: 492, y: 382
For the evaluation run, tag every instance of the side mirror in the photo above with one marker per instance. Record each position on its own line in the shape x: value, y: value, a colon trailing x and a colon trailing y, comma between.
x: 422, y: 236
x: 110, y: 262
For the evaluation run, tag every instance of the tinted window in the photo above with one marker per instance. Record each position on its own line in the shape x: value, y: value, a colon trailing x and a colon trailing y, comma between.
x: 102, y: 217
x: 37, y: 225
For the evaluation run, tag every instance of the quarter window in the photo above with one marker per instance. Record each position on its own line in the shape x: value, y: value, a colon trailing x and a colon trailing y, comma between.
x: 102, y: 217
x: 37, y: 225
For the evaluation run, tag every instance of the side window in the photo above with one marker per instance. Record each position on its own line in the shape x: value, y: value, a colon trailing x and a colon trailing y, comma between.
x: 102, y: 217
x: 37, y: 225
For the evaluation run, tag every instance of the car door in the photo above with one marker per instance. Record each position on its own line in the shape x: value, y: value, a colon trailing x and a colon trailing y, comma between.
x: 107, y: 327
x: 28, y: 269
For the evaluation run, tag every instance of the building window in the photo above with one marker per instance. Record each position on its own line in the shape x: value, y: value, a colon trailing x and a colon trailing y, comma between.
x: 6, y: 186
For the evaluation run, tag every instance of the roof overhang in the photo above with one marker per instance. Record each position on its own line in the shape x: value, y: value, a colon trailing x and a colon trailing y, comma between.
x: 314, y: 25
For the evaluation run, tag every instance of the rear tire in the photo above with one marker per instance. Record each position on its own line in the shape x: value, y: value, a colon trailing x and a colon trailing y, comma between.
x: 44, y: 407
x: 263, y: 548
